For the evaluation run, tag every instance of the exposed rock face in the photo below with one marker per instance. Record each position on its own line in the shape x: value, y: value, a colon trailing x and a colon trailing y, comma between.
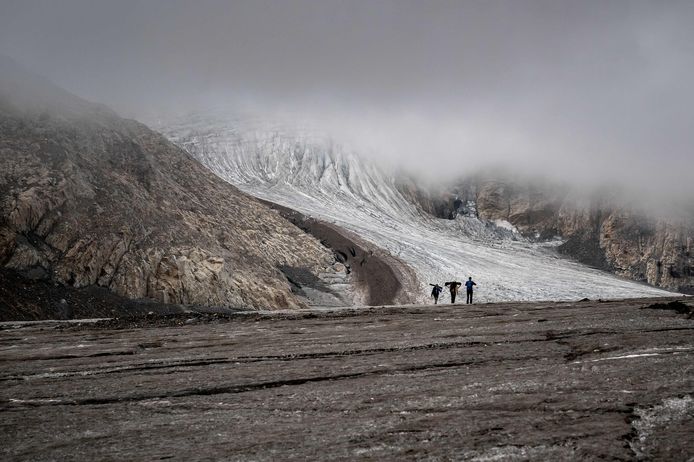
x: 528, y: 207
x: 443, y: 202
x: 88, y: 198
x: 597, y: 231
x: 655, y: 251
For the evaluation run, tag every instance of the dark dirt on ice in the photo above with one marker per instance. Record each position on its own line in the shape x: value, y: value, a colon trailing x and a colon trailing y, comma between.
x: 540, y: 381
x: 381, y: 276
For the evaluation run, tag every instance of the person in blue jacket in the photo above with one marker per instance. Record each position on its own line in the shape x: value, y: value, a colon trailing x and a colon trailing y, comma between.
x: 468, y: 286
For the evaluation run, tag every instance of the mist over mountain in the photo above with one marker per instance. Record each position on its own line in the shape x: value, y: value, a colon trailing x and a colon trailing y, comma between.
x: 588, y: 93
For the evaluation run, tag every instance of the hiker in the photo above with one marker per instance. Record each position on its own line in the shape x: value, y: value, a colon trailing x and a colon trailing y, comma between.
x: 468, y: 286
x: 435, y: 292
x: 453, y: 285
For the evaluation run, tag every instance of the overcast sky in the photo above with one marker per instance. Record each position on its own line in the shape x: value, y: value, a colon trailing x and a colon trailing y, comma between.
x: 580, y: 89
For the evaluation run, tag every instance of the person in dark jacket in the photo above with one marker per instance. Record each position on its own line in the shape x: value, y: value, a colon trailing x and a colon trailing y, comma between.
x: 453, y: 286
x: 435, y: 292
x: 468, y: 286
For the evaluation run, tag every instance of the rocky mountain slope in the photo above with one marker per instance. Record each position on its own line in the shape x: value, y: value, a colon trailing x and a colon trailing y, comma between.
x: 90, y: 199
x: 600, y: 229
x: 307, y: 171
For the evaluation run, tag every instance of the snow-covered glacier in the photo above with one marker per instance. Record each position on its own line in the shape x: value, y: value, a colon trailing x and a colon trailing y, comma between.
x: 304, y: 170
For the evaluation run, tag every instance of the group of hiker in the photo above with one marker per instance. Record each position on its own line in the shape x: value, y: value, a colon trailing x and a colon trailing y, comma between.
x: 453, y: 286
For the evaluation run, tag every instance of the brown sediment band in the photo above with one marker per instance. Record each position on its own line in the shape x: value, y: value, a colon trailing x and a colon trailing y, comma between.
x: 384, y: 278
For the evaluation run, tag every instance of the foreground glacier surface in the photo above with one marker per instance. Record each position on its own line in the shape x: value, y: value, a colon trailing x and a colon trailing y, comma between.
x: 306, y: 171
x: 512, y: 382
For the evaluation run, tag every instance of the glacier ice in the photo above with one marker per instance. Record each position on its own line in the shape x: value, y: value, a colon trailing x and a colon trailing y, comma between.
x: 306, y: 171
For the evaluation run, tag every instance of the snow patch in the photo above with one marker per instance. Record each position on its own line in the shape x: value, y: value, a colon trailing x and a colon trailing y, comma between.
x: 506, y: 225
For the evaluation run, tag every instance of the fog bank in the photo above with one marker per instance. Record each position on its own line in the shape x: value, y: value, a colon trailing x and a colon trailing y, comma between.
x: 587, y: 92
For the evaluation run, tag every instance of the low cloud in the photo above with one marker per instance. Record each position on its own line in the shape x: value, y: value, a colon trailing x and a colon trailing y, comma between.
x: 585, y: 92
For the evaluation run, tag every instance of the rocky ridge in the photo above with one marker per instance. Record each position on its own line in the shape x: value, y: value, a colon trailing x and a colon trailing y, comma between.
x: 90, y: 199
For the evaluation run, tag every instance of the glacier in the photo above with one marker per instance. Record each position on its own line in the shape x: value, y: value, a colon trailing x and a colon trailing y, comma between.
x: 306, y: 170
